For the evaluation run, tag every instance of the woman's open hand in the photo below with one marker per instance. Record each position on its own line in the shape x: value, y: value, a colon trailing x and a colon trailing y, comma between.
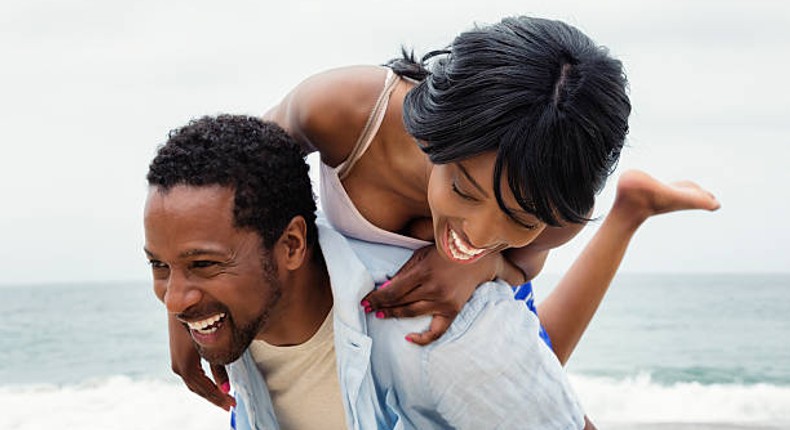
x: 429, y: 284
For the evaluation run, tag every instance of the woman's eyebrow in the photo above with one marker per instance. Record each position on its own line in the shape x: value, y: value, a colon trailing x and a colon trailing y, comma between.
x: 520, y: 215
x: 472, y: 180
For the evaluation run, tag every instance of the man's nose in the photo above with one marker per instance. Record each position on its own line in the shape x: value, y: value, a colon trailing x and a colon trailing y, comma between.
x: 181, y: 294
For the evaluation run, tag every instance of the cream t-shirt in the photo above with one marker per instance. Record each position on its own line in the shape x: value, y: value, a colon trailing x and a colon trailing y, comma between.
x: 302, y: 381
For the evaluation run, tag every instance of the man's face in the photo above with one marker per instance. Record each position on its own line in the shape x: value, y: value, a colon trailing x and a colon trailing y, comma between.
x: 213, y: 277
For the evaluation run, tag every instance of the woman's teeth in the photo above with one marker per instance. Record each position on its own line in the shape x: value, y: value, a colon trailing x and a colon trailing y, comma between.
x: 208, y: 325
x: 460, y: 250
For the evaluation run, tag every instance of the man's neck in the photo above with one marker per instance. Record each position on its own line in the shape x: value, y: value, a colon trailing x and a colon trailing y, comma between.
x: 306, y: 301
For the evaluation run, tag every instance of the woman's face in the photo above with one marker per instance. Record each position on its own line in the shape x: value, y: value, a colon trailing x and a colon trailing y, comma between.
x: 467, y: 220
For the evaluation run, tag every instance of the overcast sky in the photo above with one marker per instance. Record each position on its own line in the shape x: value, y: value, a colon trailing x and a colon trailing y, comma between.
x: 89, y: 88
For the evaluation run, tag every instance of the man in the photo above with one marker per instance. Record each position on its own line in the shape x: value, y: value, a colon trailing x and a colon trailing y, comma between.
x: 238, y: 260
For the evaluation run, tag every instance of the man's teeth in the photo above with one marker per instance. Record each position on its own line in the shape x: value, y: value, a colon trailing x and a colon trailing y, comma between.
x: 206, y: 326
x: 459, y: 249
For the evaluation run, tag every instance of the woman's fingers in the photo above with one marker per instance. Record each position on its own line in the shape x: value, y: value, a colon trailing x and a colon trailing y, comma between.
x: 185, y: 362
x: 200, y: 384
x: 222, y: 381
x: 390, y: 293
x: 439, y: 325
x: 408, y: 310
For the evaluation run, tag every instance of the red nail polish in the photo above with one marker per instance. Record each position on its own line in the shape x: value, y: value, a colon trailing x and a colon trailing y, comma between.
x: 408, y: 339
x: 368, y: 310
x: 379, y: 314
x: 365, y: 304
x: 385, y: 284
x: 225, y: 387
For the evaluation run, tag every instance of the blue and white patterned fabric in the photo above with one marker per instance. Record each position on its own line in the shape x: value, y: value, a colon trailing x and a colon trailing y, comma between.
x: 524, y: 292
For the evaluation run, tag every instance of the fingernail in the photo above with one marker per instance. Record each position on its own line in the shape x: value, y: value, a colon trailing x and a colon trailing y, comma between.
x: 379, y: 314
x: 385, y: 284
x: 225, y: 387
x: 365, y: 304
x: 368, y: 310
x: 408, y: 339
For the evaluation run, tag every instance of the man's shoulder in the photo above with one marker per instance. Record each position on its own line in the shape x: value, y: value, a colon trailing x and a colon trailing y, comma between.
x: 492, y: 302
x: 491, y: 356
x: 492, y: 318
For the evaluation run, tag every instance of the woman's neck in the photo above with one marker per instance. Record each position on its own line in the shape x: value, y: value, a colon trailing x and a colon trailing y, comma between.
x: 409, y: 165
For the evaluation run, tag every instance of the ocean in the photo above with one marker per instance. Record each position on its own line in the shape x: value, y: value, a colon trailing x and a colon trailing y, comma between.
x: 663, y: 352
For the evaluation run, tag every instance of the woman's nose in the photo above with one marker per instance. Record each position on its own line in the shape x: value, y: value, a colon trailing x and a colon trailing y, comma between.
x: 482, y: 229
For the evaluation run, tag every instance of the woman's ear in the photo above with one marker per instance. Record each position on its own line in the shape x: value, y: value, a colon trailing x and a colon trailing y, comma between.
x: 292, y: 244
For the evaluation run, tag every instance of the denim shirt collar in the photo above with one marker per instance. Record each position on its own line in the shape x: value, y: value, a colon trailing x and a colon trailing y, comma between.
x: 350, y: 283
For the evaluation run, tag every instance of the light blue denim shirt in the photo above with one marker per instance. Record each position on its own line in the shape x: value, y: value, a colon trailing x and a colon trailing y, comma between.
x: 490, y: 370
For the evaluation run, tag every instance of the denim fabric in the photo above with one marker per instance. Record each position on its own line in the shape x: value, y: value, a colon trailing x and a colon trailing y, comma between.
x: 490, y: 370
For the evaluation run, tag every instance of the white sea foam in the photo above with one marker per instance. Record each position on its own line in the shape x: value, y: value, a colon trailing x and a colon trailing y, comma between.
x: 641, y: 400
x: 120, y: 403
x: 117, y: 403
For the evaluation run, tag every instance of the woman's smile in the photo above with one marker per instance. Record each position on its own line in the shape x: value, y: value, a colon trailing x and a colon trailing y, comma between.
x: 458, y: 249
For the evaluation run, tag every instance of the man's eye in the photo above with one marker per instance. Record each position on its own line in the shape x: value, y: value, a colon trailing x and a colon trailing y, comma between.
x: 156, y: 264
x: 202, y: 264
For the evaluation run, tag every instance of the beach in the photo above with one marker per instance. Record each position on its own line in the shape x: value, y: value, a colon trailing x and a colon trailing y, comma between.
x: 664, y: 352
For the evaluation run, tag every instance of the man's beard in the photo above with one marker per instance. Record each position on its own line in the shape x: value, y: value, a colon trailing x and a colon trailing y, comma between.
x: 242, y: 337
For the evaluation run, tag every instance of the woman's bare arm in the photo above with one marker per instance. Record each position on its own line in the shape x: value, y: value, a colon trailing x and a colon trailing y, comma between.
x: 327, y: 111
x: 568, y: 310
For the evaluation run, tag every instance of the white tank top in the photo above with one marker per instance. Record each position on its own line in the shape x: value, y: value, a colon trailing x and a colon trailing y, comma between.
x: 337, y: 206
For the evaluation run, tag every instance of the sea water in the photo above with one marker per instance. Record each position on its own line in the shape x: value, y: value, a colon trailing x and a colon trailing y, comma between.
x: 664, y: 351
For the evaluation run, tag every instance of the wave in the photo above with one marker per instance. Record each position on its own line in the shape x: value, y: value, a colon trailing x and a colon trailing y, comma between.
x: 116, y: 403
x: 123, y: 403
x: 639, y: 399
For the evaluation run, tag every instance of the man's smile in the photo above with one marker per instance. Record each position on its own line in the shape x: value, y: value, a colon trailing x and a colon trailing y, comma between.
x: 208, y: 325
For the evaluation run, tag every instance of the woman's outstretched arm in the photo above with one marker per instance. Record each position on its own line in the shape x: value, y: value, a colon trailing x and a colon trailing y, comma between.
x: 568, y: 310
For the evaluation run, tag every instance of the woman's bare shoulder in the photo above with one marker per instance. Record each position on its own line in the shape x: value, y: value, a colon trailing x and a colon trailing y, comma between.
x: 327, y: 111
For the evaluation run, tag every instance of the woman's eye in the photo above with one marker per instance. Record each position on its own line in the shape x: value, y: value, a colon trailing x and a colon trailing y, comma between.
x: 526, y: 225
x: 460, y: 193
x: 523, y: 224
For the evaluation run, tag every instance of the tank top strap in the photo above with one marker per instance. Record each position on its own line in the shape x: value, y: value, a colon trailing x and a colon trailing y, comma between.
x: 371, y: 126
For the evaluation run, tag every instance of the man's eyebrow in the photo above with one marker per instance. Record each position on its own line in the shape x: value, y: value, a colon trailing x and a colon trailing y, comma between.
x: 198, y: 252
x: 194, y: 252
x: 471, y: 179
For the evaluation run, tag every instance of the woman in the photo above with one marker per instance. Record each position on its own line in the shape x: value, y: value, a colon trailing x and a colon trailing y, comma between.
x: 494, y: 153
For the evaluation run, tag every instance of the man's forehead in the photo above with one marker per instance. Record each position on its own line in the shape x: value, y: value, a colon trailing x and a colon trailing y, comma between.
x: 184, y: 220
x: 191, y: 197
x: 187, y: 206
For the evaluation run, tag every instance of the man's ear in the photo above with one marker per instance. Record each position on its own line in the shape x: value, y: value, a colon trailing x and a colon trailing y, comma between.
x: 292, y: 244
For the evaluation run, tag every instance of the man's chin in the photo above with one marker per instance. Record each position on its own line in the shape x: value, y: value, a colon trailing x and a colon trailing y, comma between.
x: 219, y: 357
x: 228, y: 344
x: 230, y: 341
